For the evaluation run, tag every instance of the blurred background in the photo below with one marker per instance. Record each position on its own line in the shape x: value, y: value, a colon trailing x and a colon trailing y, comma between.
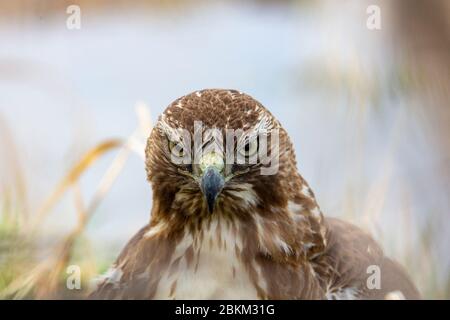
x: 368, y: 111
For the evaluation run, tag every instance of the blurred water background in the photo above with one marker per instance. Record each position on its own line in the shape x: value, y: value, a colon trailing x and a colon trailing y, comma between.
x: 367, y: 109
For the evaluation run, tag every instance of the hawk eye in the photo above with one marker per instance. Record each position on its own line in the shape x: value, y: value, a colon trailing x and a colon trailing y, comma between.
x: 176, y: 148
x: 249, y: 149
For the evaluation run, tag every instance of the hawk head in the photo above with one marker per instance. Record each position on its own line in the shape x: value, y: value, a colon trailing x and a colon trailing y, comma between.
x: 221, y: 153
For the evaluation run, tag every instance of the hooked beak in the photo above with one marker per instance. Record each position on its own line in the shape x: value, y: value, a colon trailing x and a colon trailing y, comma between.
x: 212, y: 183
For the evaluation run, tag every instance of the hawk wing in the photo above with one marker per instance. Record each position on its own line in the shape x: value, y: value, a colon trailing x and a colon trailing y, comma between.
x: 352, y: 257
x: 130, y: 276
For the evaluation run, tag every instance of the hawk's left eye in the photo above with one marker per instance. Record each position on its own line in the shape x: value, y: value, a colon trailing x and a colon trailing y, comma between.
x: 176, y: 149
x: 249, y: 149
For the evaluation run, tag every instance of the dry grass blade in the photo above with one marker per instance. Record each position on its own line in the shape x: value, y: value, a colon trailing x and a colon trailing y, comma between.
x: 74, y: 175
x: 12, y: 161
x: 110, y: 176
x: 44, y: 280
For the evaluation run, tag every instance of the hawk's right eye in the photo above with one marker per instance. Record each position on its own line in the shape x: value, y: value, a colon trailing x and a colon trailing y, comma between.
x: 176, y: 148
x: 250, y: 148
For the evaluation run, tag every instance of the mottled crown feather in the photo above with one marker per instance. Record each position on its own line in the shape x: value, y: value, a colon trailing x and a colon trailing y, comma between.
x: 218, y: 108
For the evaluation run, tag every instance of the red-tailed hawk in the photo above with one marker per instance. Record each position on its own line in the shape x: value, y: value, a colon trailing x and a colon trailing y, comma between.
x: 227, y: 229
